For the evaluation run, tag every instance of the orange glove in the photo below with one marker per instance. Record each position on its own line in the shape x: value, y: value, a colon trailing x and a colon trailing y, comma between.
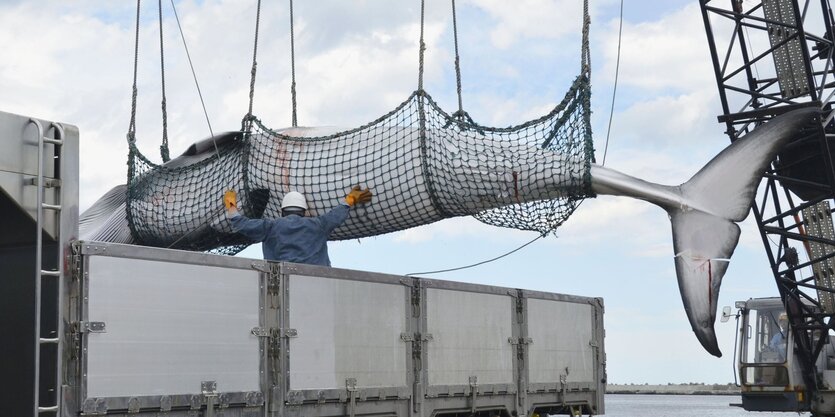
x: 230, y: 200
x: 358, y: 196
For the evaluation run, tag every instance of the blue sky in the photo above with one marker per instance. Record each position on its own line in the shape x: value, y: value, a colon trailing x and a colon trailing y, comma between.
x: 72, y: 62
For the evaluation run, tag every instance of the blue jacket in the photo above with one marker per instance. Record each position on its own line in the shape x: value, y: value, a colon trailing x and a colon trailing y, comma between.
x: 293, y: 238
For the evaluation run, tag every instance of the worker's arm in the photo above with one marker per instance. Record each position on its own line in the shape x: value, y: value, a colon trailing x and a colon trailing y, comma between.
x: 255, y: 229
x: 332, y: 219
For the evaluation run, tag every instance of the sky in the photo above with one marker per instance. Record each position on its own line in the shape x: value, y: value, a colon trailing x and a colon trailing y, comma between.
x: 355, y: 61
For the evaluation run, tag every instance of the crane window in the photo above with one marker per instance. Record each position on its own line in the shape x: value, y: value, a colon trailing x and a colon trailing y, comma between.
x: 766, y: 337
x: 765, y: 347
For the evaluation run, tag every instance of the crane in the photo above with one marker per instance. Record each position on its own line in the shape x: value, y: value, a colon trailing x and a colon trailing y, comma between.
x: 770, y: 57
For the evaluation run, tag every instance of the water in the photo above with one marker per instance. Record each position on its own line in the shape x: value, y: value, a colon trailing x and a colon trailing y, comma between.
x: 637, y: 405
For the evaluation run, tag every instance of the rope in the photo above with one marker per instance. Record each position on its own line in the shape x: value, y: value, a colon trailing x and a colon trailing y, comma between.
x: 421, y: 102
x: 615, y: 88
x: 293, y: 65
x: 478, y: 263
x: 254, y: 65
x: 459, y: 116
x: 132, y: 127
x: 457, y: 60
x: 585, y: 54
x: 133, y: 152
x: 422, y: 46
x: 193, y: 73
x: 163, y: 149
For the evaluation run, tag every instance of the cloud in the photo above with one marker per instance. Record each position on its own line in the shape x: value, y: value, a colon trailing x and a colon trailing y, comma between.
x: 339, y: 83
x: 65, y: 78
x: 672, y: 120
x: 542, y: 19
x: 667, y: 97
x: 600, y: 218
x: 669, y: 53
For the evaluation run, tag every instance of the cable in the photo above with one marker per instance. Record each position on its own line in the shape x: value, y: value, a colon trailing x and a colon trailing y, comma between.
x: 751, y: 51
x: 193, y: 73
x: 477, y: 263
x: 615, y: 88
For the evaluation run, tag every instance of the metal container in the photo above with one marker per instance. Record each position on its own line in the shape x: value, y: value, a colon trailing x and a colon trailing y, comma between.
x: 171, y: 333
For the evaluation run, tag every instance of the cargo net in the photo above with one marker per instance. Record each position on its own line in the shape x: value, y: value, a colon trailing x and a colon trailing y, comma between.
x: 421, y: 163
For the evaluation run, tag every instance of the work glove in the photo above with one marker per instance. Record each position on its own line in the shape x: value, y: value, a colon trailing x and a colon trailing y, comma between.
x: 358, y: 196
x: 230, y: 201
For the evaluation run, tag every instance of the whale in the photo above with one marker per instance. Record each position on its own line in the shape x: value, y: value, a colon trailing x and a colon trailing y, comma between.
x: 467, y: 178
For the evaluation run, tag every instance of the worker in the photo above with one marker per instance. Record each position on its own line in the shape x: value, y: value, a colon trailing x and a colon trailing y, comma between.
x: 778, y: 341
x: 294, y: 237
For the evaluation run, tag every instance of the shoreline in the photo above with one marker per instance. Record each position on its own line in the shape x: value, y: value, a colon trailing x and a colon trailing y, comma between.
x: 674, y: 389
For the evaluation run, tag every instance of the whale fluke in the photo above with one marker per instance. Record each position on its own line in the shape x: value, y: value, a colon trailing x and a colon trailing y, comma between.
x: 704, y: 211
x: 703, y: 245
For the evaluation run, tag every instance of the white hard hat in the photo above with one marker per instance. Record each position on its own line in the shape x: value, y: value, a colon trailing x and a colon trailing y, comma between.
x: 294, y: 199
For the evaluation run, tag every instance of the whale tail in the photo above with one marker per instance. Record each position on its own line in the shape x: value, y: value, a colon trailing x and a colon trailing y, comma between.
x: 704, y: 212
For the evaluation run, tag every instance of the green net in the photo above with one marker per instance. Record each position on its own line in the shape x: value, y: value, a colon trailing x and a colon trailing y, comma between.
x: 422, y: 165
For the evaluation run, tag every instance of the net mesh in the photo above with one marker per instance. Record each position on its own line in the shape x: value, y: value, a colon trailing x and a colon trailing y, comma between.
x: 422, y: 165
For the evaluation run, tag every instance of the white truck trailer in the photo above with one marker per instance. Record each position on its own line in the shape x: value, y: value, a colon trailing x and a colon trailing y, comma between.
x: 94, y: 328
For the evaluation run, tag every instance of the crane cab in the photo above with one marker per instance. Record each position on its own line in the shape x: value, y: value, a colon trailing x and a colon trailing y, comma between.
x: 769, y: 377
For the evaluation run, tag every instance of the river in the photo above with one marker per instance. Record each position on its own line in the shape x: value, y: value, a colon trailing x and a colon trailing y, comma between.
x: 639, y: 405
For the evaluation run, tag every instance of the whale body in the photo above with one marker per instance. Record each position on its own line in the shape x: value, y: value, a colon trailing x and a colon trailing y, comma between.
x: 703, y: 211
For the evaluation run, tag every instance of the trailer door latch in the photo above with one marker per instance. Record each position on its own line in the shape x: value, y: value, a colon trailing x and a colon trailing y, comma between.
x: 92, y: 327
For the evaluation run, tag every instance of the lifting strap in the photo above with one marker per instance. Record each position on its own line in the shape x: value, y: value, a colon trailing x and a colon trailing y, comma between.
x: 248, y: 117
x: 131, y: 135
